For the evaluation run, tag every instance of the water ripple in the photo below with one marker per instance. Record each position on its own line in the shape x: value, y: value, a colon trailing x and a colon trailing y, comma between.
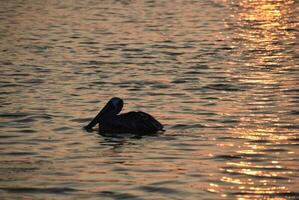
x: 221, y: 76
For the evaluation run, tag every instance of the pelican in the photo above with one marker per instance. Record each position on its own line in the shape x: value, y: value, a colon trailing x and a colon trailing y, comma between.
x: 110, y: 121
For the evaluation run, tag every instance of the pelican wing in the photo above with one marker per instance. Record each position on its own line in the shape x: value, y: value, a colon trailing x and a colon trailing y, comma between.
x: 131, y: 122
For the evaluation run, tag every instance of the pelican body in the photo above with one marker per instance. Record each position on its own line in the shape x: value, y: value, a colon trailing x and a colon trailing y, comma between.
x: 110, y: 121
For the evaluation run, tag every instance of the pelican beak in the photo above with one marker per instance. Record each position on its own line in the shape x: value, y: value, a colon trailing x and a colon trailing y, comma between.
x: 113, y: 107
x: 103, y: 114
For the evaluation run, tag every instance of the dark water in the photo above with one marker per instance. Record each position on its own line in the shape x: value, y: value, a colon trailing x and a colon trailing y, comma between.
x: 222, y: 75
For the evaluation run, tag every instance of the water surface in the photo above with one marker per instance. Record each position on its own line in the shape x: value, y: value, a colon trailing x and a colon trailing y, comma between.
x: 222, y: 75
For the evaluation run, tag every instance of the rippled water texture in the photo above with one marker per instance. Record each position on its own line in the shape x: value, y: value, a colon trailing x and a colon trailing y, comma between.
x: 222, y: 75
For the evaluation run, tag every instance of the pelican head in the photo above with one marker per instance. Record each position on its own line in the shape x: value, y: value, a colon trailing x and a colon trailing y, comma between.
x: 112, y: 108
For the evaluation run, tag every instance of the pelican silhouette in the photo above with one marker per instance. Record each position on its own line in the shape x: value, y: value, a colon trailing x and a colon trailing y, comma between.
x: 110, y: 121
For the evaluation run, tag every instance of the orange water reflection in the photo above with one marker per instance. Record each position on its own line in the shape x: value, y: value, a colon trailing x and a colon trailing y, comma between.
x: 264, y: 41
x: 163, y: 60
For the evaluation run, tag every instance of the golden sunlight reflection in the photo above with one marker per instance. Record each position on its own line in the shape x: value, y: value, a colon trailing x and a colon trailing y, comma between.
x: 264, y: 28
x: 255, y: 178
x: 262, y: 40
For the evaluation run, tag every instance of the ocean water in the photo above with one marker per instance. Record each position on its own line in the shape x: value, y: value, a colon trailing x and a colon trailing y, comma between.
x: 221, y: 75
